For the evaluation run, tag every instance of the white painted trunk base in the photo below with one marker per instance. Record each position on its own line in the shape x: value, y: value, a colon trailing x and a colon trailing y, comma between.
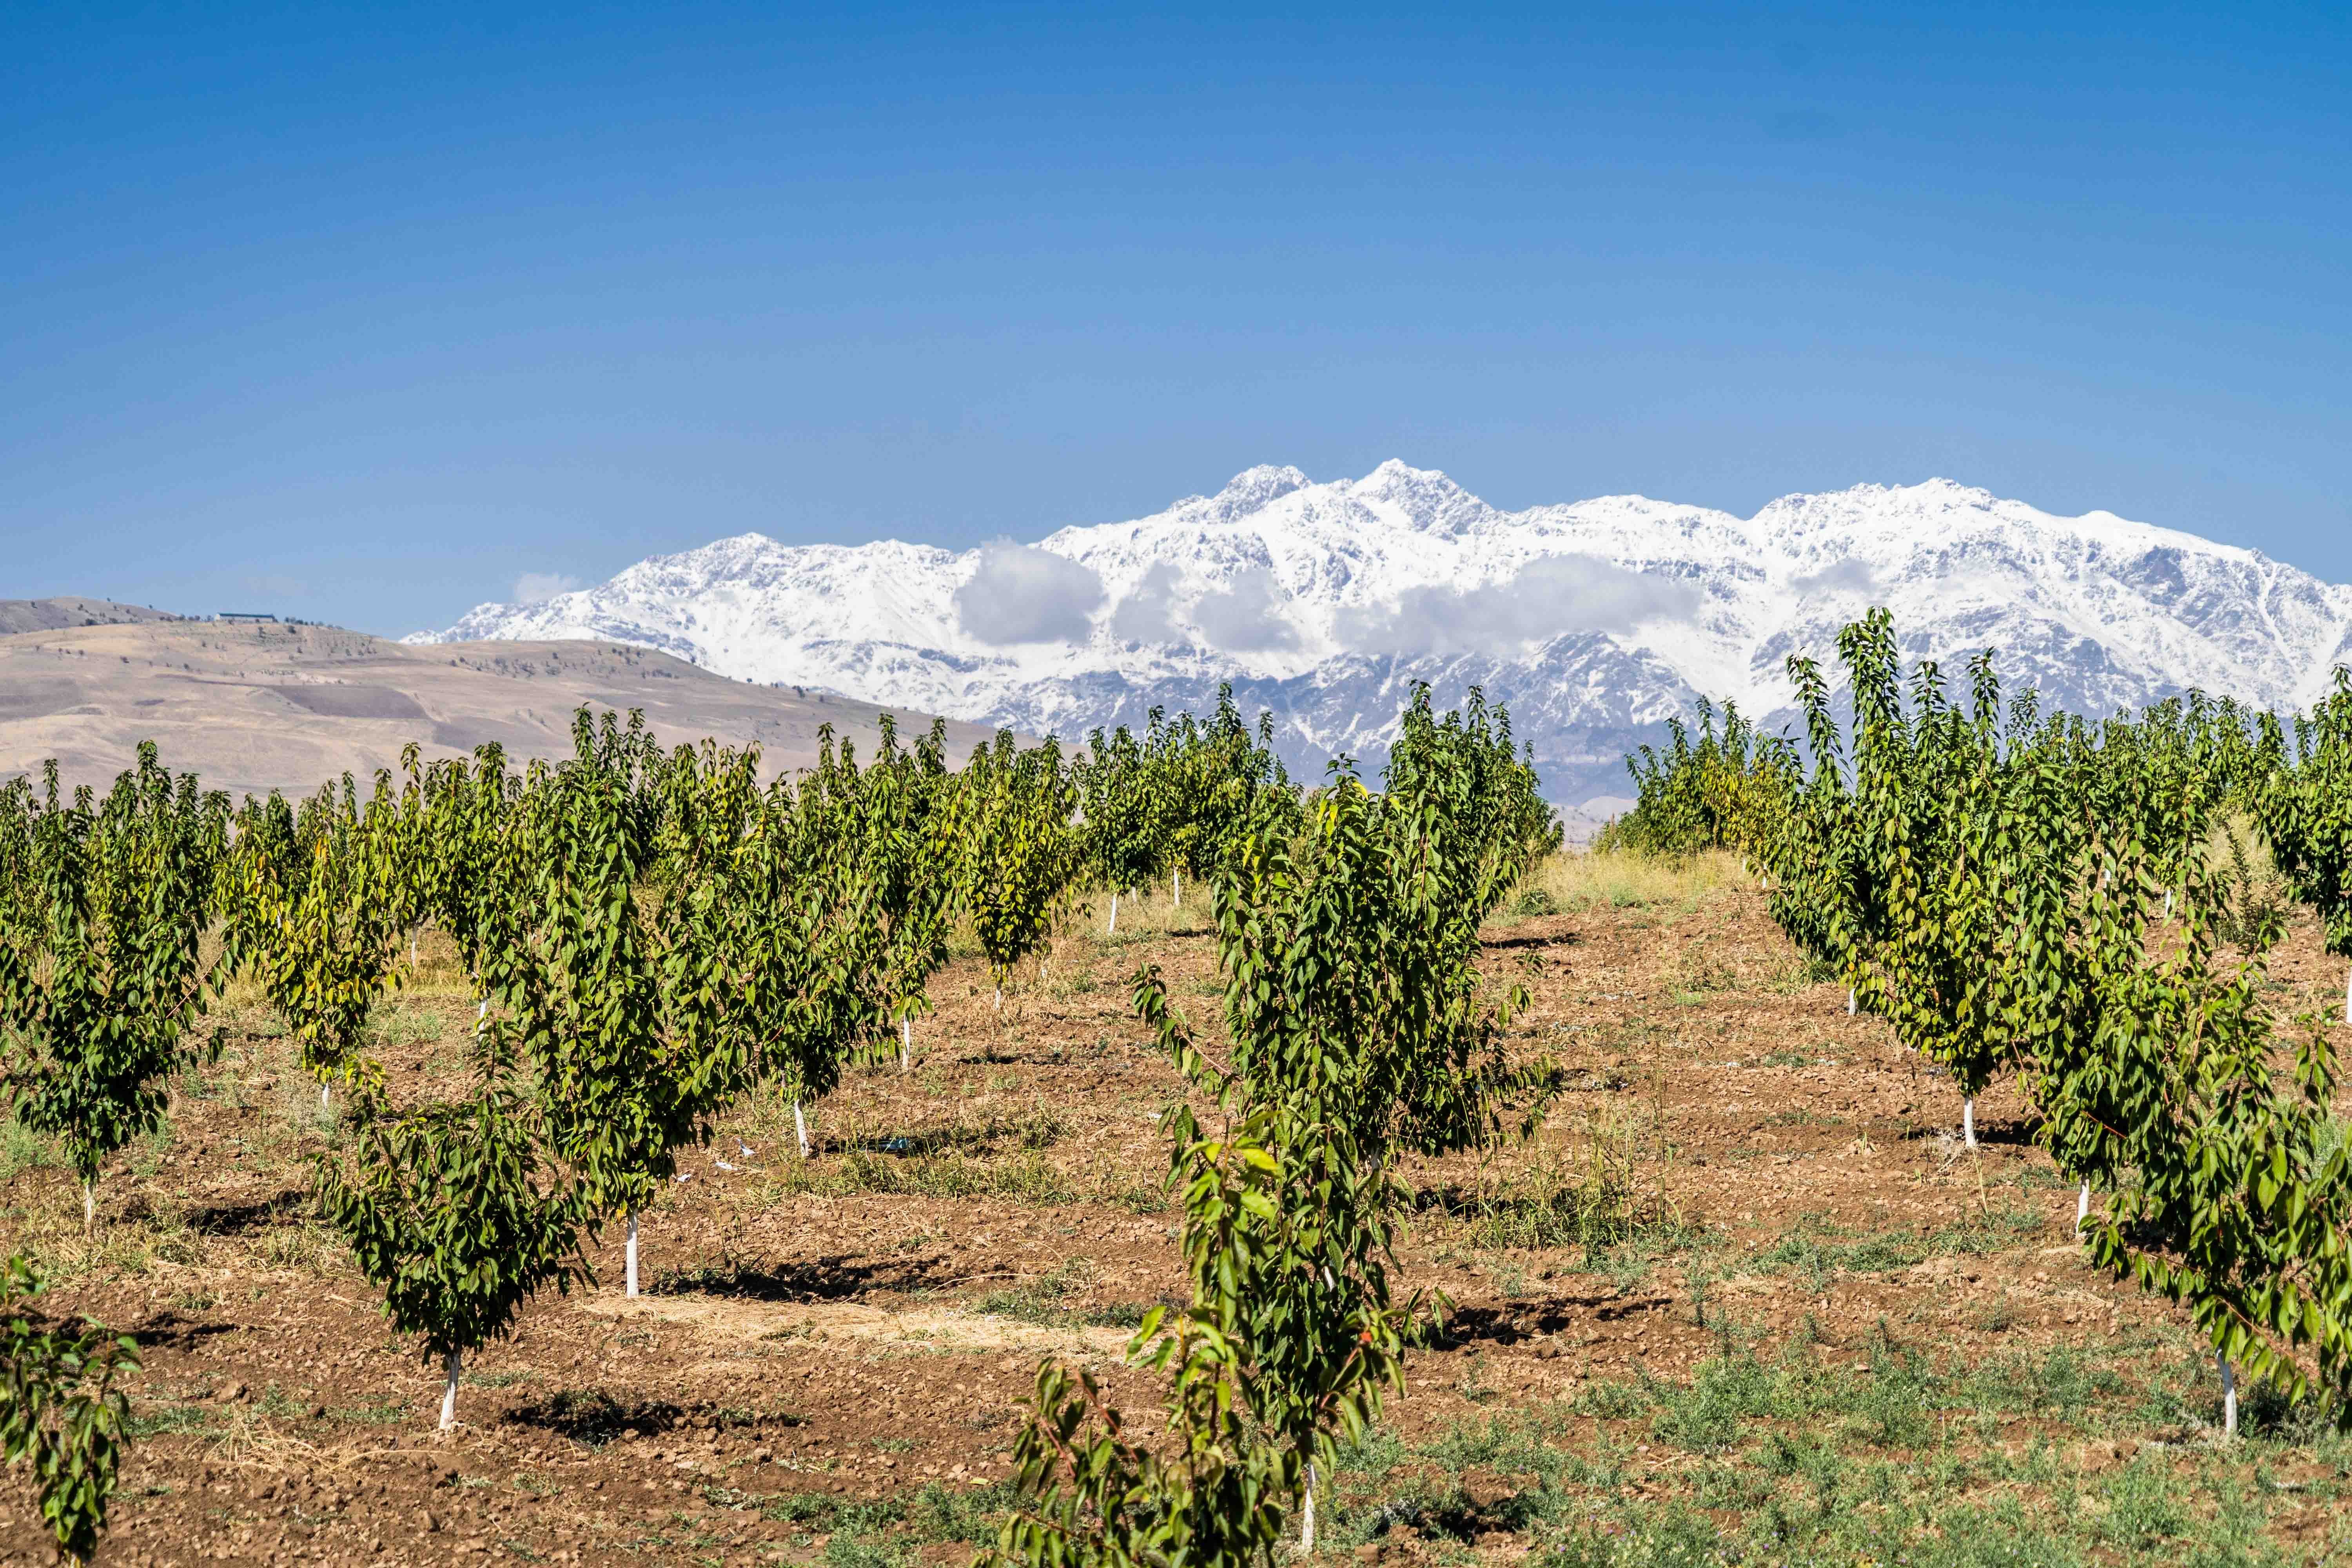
x: 2228, y: 1397
x: 633, y: 1256
x: 449, y: 1392
x: 800, y: 1125
x: 1969, y: 1119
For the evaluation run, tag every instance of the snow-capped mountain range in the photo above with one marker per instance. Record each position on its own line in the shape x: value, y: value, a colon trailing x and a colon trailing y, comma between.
x: 1594, y: 621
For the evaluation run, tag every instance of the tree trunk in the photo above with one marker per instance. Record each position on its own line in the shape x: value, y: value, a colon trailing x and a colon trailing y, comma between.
x: 1307, y: 1526
x: 800, y: 1125
x: 2228, y: 1397
x: 89, y: 1207
x: 999, y: 1002
x: 1176, y: 897
x: 1969, y: 1119
x: 2082, y: 1208
x: 1849, y: 1001
x: 2167, y: 903
x: 906, y: 1045
x: 1112, y: 929
x: 449, y: 1392
x: 632, y: 1267
x: 322, y: 1096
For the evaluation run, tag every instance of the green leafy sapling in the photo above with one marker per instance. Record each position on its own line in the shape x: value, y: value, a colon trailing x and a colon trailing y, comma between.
x: 321, y: 927
x: 101, y: 968
x: 61, y: 1411
x: 454, y: 1211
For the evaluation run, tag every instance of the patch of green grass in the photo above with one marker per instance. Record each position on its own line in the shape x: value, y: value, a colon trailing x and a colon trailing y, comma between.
x: 1041, y: 1299
x: 1818, y: 1251
x: 159, y: 1420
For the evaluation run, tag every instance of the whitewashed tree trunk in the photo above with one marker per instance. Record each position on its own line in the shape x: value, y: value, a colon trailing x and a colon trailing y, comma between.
x: 999, y: 1002
x: 2228, y: 1397
x: 800, y: 1125
x: 1969, y: 1119
x: 322, y: 1096
x: 89, y: 1207
x: 2167, y: 903
x: 1112, y: 929
x: 449, y: 1392
x: 2082, y: 1208
x: 1307, y: 1526
x: 1176, y: 896
x: 632, y: 1267
x: 906, y: 1045
x: 1849, y: 1001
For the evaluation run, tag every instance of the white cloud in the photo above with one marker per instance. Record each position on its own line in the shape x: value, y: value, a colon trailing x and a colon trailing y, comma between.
x: 1147, y: 613
x: 1022, y: 595
x: 1556, y: 594
x: 1245, y: 617
x: 1848, y: 576
x: 538, y: 587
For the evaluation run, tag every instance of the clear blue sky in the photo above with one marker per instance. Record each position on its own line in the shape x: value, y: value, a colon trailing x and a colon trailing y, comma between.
x: 360, y: 316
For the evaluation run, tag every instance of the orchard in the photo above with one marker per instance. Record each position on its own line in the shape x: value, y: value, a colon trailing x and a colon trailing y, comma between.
x: 1127, y: 1154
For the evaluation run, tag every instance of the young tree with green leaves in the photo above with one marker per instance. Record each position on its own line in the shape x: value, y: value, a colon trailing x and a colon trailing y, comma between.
x: 1116, y: 815
x: 320, y: 927
x: 2241, y: 1195
x: 102, y: 974
x: 2303, y: 804
x: 1360, y: 1032
x: 619, y: 1005
x: 454, y: 1212
x: 61, y: 1411
x: 1012, y: 821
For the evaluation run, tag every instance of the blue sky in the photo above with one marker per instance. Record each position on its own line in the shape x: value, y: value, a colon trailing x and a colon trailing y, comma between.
x: 361, y: 316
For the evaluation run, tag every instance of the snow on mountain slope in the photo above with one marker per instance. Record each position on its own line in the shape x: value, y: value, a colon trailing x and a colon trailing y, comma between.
x: 1594, y: 621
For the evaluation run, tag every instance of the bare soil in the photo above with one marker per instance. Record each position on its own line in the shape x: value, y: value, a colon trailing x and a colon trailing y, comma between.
x: 827, y: 1364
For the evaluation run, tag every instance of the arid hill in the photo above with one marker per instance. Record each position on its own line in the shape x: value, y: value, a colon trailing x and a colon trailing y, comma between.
x: 249, y: 707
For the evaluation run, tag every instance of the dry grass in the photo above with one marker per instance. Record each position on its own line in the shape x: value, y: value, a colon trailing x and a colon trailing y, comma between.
x: 1577, y: 879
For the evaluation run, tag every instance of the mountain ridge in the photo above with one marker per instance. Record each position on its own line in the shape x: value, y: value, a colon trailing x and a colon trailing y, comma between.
x: 1593, y: 620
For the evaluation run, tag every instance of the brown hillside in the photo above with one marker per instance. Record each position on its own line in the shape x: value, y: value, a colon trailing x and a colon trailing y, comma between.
x: 252, y: 707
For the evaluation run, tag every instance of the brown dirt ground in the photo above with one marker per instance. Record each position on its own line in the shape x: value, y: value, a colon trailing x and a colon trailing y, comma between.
x: 808, y: 1335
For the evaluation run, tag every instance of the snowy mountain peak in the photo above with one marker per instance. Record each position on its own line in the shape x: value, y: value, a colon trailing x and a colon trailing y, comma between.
x: 1594, y: 620
x: 1253, y: 488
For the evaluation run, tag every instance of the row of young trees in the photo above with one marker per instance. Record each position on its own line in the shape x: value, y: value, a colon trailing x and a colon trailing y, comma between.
x: 649, y: 939
x: 2015, y: 891
x: 1361, y: 1031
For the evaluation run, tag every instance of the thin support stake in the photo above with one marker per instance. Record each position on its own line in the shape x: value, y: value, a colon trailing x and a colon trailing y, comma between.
x: 1306, y: 1527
